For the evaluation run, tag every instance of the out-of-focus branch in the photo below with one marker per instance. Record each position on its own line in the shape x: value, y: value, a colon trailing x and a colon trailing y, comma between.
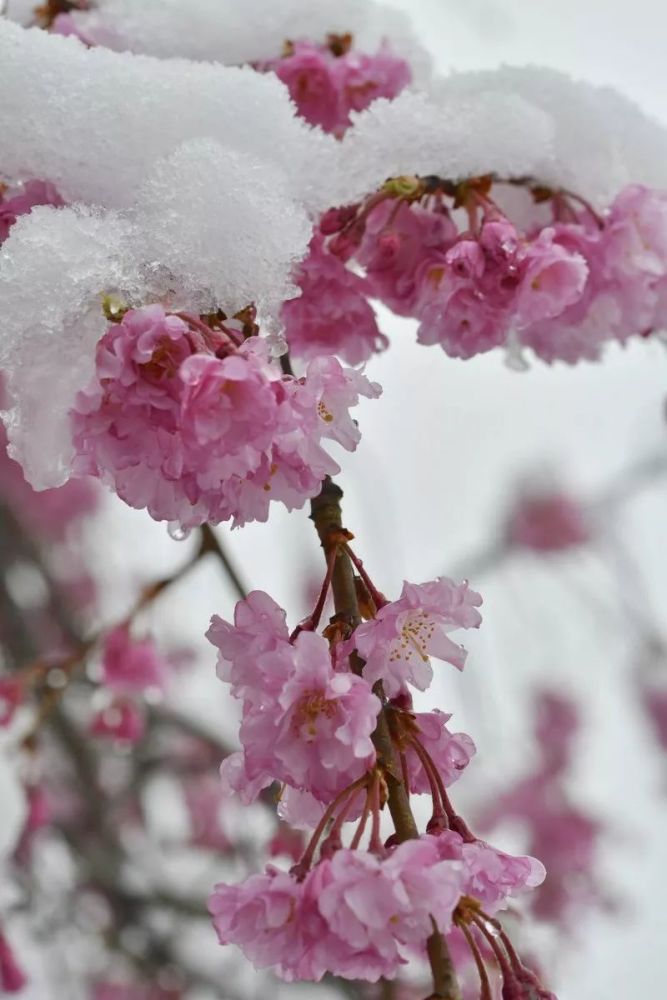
x: 211, y: 543
x: 622, y: 488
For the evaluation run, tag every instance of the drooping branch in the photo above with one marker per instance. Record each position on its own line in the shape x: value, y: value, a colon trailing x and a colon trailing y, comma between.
x: 326, y: 513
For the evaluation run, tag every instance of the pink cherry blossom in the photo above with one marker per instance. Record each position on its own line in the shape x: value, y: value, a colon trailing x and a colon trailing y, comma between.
x: 64, y: 24
x: 460, y: 319
x: 329, y: 390
x: 450, y: 752
x: 332, y: 315
x: 301, y: 809
x: 246, y: 648
x: 229, y: 411
x: 236, y: 780
x: 125, y: 424
x: 306, y: 72
x: 363, y: 78
x: 547, y: 521
x: 316, y: 736
x: 568, y: 841
x: 204, y: 800
x: 397, y: 643
x: 48, y: 514
x: 20, y: 200
x: 564, y: 836
x: 322, y: 741
x: 354, y: 915
x: 11, y: 696
x: 12, y: 977
x: 131, y: 665
x: 627, y: 267
x: 488, y: 284
x: 327, y: 82
x: 192, y: 428
x: 490, y: 875
x: 273, y: 920
x: 401, y: 242
x: 383, y: 907
x: 552, y: 279
x: 556, y: 724
x: 121, y: 720
x: 287, y: 841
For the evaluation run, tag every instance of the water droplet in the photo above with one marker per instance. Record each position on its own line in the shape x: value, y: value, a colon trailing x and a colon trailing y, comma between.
x: 177, y: 532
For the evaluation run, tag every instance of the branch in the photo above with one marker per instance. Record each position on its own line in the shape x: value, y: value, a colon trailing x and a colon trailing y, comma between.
x: 326, y: 513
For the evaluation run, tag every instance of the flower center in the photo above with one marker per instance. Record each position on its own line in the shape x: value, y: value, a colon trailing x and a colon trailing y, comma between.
x: 307, y: 712
x: 413, y: 638
x: 324, y: 413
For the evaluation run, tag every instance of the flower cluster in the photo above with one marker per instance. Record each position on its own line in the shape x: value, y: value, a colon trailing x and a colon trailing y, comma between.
x: 196, y: 426
x: 475, y: 281
x: 332, y: 315
x: 312, y: 709
x: 358, y: 915
x: 327, y: 82
x: 306, y: 723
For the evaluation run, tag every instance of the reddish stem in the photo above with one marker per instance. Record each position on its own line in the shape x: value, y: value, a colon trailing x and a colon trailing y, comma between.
x: 517, y: 964
x: 507, y: 973
x: 306, y: 861
x: 455, y: 821
x: 431, y: 774
x: 375, y: 845
x: 485, y: 992
x: 599, y: 221
x: 379, y: 599
x: 359, y: 832
x: 310, y: 624
x: 207, y: 332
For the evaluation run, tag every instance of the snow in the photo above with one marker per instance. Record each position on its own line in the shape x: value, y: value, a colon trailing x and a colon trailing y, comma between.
x: 102, y: 119
x: 241, y: 31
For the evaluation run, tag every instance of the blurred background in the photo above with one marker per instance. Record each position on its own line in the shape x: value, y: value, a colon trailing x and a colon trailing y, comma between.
x: 451, y: 459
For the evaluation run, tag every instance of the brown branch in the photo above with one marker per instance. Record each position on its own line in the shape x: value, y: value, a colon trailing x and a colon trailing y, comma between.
x: 211, y: 543
x: 326, y: 513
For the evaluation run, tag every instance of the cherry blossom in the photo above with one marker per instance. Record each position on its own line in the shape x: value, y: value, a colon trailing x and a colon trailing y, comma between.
x: 20, y: 200
x: 130, y: 665
x: 397, y: 643
x: 194, y: 436
x: 328, y: 82
x: 546, y: 520
x: 11, y: 696
x: 249, y: 648
x: 332, y: 315
x: 355, y: 915
x: 450, y: 752
x: 313, y: 725
x: 121, y: 720
x: 12, y: 977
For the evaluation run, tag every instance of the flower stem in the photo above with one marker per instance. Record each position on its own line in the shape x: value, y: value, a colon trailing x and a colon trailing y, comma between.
x: 379, y: 599
x: 485, y: 985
